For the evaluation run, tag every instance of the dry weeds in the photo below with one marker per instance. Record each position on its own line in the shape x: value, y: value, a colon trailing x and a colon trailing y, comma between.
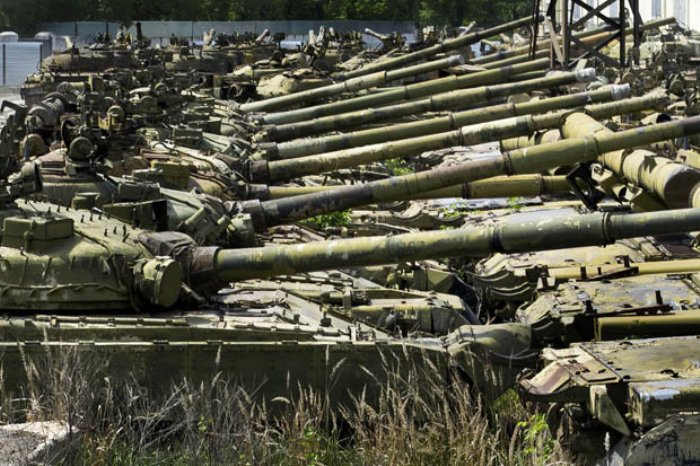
x: 220, y: 423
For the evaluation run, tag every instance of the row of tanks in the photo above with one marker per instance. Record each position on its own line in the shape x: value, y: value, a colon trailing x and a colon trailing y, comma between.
x: 489, y: 219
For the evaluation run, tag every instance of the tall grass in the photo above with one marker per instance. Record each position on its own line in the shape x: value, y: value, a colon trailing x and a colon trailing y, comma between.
x: 218, y: 422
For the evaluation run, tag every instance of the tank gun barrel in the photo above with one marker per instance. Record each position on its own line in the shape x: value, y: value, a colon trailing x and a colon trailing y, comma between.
x: 595, y: 229
x: 451, y: 121
x: 525, y: 161
x: 407, y: 92
x: 375, y: 34
x: 678, y: 266
x: 262, y: 36
x: 275, y: 171
x: 444, y: 47
x: 450, y: 100
x: 515, y: 60
x: 352, y: 85
x: 500, y: 186
x: 464, y: 30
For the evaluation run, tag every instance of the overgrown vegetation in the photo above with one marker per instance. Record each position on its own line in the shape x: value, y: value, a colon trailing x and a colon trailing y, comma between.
x: 219, y: 423
x: 515, y: 203
x: 334, y: 219
x: 398, y: 166
x: 25, y: 17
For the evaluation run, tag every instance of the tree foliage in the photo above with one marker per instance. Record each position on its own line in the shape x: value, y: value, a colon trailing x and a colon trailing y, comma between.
x: 25, y: 15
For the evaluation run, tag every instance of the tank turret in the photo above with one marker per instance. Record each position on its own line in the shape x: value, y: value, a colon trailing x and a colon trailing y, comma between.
x: 142, y: 199
x: 630, y: 401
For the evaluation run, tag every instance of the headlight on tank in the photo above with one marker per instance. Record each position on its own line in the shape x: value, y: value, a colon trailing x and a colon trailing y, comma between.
x: 159, y: 280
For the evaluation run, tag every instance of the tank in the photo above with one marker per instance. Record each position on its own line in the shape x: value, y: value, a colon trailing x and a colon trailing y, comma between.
x: 164, y: 197
x: 186, y: 59
x: 290, y: 82
x: 84, y: 60
x: 142, y: 268
x: 636, y: 399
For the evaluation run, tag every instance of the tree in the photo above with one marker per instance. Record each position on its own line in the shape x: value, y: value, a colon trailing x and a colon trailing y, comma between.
x: 25, y: 15
x: 4, y: 21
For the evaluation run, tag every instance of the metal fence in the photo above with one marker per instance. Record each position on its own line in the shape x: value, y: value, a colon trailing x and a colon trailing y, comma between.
x: 17, y: 60
x: 160, y: 31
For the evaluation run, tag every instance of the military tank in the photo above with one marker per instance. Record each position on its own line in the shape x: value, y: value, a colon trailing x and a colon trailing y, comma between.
x: 238, y: 220
x: 161, y: 274
x: 62, y: 260
x: 124, y: 51
x: 628, y: 402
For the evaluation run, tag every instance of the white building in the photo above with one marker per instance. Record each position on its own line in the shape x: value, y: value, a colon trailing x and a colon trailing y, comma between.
x: 686, y: 12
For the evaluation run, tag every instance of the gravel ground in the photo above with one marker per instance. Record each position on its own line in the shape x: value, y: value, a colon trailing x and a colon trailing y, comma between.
x: 16, y: 446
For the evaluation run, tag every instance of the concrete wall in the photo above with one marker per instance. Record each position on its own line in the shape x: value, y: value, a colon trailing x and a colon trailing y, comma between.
x: 160, y: 31
x: 17, y: 60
